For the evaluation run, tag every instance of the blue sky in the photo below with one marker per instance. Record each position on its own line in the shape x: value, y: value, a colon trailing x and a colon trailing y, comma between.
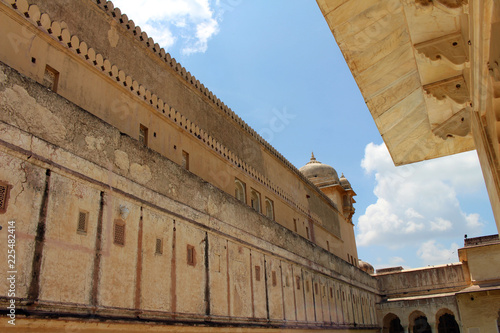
x: 276, y: 64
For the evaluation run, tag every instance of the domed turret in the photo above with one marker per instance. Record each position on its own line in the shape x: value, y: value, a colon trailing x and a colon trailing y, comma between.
x: 319, y: 173
x: 366, y: 267
x: 345, y: 183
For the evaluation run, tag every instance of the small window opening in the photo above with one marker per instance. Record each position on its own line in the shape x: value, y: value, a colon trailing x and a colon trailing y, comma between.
x: 191, y: 255
x: 255, y: 200
x: 307, y: 286
x: 119, y: 233
x: 297, y: 282
x: 143, y: 135
x: 257, y: 273
x: 295, y: 225
x: 4, y: 196
x: 269, y: 209
x: 316, y: 289
x: 239, y: 190
x: 185, y: 160
x: 159, y: 246
x: 275, y: 280
x: 307, y: 232
x: 82, y: 222
x: 50, y: 78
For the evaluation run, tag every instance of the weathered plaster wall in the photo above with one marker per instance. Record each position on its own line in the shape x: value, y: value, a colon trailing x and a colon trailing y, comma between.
x: 84, y: 169
x: 129, y: 96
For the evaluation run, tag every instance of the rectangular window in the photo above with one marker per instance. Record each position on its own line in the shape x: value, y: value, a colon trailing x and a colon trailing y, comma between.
x: 257, y: 273
x: 119, y: 233
x: 4, y: 196
x: 307, y: 232
x: 50, y: 78
x: 185, y: 160
x: 307, y: 286
x: 316, y: 288
x: 287, y: 281
x: 191, y: 255
x: 295, y: 225
x: 297, y: 282
x: 143, y: 135
x: 331, y: 292
x: 82, y: 222
x: 159, y: 246
x: 275, y: 280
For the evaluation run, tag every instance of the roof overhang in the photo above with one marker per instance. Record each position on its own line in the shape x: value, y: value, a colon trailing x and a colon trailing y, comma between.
x: 410, y: 59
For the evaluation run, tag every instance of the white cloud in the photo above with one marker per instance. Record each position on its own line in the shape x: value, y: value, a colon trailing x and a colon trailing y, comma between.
x: 396, y: 261
x: 190, y: 22
x: 419, y: 201
x: 434, y: 253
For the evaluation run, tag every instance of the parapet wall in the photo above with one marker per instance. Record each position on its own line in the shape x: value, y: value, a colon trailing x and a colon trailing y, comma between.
x: 422, y: 281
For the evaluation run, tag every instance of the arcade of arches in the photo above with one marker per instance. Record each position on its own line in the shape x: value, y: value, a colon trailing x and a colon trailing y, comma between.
x: 417, y: 323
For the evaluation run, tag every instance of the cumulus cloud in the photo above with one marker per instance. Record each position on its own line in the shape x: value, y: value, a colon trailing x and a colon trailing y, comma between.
x: 188, y: 22
x: 418, y: 202
x: 434, y: 253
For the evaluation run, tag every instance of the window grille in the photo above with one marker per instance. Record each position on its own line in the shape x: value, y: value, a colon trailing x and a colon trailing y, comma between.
x: 119, y: 233
x: 82, y: 222
x: 159, y: 246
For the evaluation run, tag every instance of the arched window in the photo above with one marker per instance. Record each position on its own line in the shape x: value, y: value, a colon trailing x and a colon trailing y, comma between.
x: 255, y: 200
x: 392, y: 324
x: 239, y: 190
x: 448, y: 324
x: 498, y: 321
x: 420, y: 325
x: 269, y: 209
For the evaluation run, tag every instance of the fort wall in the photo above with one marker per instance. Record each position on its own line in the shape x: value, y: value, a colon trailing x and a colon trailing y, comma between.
x: 137, y: 94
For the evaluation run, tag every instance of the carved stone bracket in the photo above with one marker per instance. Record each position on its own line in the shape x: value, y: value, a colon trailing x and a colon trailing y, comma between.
x: 457, y: 125
x: 452, y: 7
x: 454, y: 89
x: 450, y: 47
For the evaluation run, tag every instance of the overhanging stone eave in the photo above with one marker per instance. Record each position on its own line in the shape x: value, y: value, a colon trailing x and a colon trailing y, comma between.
x: 393, y: 82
